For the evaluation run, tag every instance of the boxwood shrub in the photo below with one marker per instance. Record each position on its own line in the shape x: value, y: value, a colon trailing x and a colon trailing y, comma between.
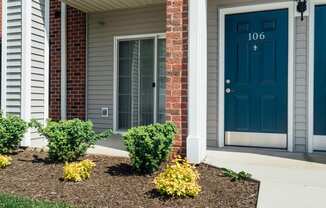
x: 69, y: 140
x: 149, y: 146
x: 12, y: 130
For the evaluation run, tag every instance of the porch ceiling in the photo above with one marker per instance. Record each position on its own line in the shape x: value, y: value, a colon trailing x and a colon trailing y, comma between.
x: 107, y: 5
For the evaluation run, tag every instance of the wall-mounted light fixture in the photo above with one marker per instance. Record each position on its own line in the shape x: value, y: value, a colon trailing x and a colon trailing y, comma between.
x: 302, y: 7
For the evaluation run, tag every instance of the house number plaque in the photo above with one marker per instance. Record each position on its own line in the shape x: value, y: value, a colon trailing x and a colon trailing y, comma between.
x: 256, y: 36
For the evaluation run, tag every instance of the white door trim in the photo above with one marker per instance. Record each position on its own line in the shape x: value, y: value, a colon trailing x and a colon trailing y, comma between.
x: 255, y: 8
x: 314, y: 141
x: 116, y: 40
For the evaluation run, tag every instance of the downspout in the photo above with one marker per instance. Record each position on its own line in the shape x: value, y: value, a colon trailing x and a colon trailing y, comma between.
x: 63, y: 61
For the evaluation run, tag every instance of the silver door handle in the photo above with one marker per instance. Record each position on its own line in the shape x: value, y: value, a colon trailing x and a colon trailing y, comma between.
x: 228, y: 90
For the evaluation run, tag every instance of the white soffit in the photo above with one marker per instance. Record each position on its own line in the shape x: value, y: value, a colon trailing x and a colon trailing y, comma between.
x: 90, y: 6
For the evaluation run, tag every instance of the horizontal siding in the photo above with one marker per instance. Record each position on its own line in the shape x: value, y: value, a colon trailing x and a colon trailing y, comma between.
x: 301, y: 85
x: 300, y: 108
x: 38, y: 63
x: 14, y: 54
x: 102, y: 28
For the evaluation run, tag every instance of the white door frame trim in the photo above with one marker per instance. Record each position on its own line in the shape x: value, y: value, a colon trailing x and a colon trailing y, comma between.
x: 311, y: 70
x: 255, y: 8
x: 116, y: 40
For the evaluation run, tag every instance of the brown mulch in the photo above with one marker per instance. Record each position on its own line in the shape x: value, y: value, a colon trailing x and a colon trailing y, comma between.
x: 113, y: 184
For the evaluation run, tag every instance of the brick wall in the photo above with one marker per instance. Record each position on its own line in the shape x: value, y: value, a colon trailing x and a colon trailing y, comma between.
x: 76, y: 62
x: 176, y: 66
x: 55, y: 59
x: 76, y: 69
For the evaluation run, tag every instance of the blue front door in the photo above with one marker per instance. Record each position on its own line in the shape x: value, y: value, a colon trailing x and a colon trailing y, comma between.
x: 256, y: 69
x: 320, y: 75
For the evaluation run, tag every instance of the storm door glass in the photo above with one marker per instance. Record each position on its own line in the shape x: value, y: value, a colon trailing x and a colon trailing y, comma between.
x: 146, y: 82
x: 127, y: 82
x: 141, y: 82
x: 161, y: 79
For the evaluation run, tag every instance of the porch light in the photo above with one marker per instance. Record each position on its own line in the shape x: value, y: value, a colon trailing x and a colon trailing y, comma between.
x: 301, y: 7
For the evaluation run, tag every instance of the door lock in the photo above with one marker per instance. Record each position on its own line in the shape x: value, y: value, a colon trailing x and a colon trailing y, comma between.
x: 228, y: 90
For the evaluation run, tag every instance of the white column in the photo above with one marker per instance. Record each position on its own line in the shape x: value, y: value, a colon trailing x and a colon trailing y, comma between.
x: 26, y: 67
x: 197, y: 81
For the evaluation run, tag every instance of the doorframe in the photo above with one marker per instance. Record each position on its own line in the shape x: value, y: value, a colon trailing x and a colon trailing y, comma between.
x: 116, y: 40
x: 221, y: 72
x: 311, y: 74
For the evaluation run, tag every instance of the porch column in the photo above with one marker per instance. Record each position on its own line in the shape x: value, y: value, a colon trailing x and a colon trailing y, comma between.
x: 25, y: 61
x: 197, y: 80
x: 176, y: 69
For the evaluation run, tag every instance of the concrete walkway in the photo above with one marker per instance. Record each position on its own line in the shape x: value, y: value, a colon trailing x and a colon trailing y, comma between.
x: 287, y: 179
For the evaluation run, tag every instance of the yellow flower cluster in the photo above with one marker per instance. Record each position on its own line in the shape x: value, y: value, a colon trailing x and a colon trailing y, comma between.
x: 179, y: 180
x: 77, y: 172
x: 5, y: 161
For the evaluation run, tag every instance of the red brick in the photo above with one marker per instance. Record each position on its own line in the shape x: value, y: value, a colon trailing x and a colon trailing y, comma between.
x: 76, y: 62
x: 176, y: 66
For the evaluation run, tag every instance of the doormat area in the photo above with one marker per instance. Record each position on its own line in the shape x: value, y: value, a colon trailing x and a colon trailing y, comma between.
x: 114, y: 184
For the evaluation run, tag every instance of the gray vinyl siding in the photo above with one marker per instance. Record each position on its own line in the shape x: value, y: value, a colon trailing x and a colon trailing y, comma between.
x: 13, y: 61
x: 300, y: 85
x: 102, y: 27
x: 38, y: 63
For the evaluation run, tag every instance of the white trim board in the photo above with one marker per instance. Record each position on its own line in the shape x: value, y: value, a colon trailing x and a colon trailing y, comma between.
x: 221, y: 97
x: 4, y: 58
x: 63, y: 82
x: 47, y: 61
x: 314, y: 142
x: 116, y: 40
x: 26, y: 68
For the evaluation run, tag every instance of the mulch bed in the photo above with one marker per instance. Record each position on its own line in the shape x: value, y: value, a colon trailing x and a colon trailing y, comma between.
x: 113, y: 184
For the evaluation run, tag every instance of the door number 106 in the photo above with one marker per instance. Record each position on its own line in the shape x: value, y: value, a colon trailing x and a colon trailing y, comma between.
x: 257, y: 36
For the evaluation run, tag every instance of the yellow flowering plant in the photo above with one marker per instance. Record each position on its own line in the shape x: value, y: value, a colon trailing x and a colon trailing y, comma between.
x: 5, y: 161
x: 78, y: 172
x: 180, y: 179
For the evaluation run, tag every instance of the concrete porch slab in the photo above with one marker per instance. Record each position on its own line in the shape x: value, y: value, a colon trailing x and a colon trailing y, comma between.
x: 110, y: 147
x: 287, y: 179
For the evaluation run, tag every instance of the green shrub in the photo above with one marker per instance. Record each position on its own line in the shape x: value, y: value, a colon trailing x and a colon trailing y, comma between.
x: 149, y: 146
x: 179, y: 180
x: 12, y: 130
x: 69, y: 140
x: 241, y: 176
